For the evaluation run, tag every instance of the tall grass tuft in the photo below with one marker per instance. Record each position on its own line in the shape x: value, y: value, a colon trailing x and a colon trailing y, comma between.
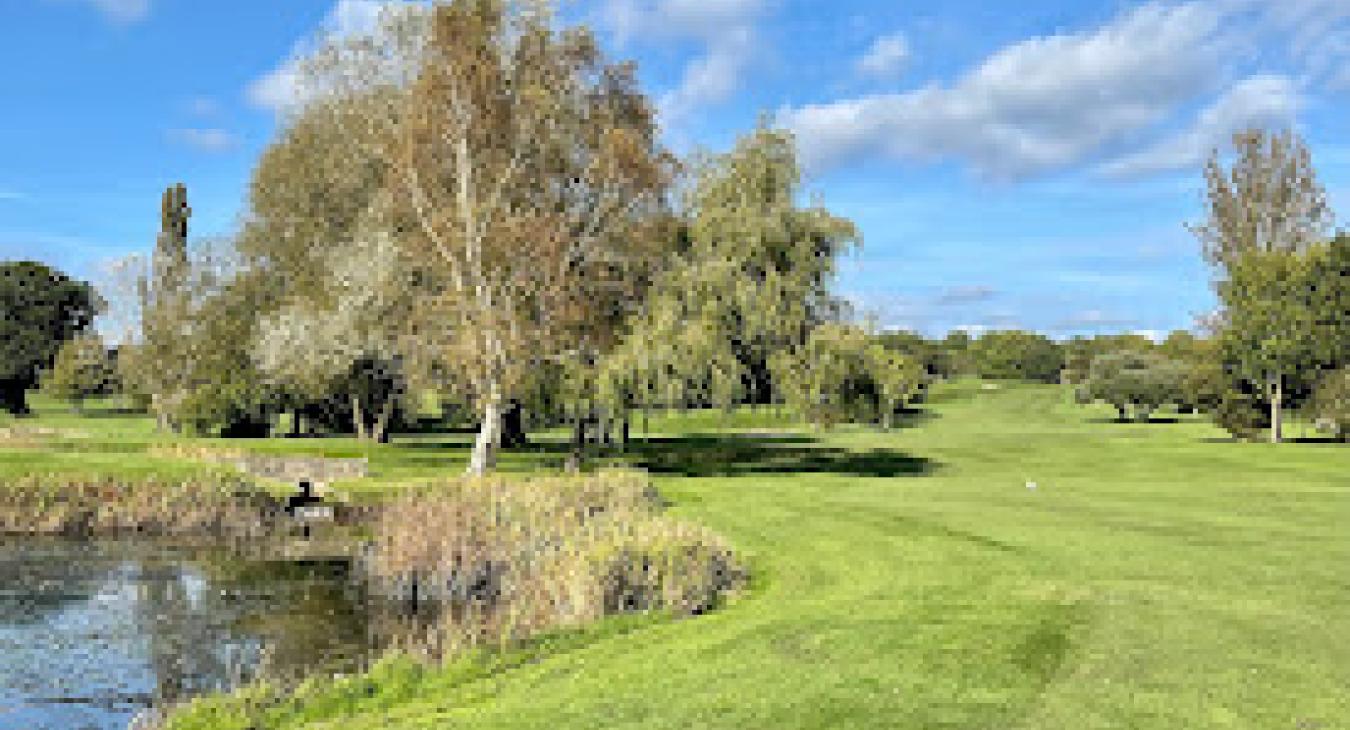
x: 507, y: 560
x: 206, y: 505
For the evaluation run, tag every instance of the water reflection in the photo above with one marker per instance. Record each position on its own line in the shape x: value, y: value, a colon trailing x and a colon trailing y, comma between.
x: 91, y: 633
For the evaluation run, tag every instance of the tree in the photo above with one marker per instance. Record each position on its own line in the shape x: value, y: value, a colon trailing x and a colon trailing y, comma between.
x: 1268, y: 200
x: 1270, y: 334
x: 1080, y: 351
x: 1284, y: 302
x: 1129, y: 379
x: 1017, y: 355
x: 1331, y: 403
x: 749, y: 282
x: 82, y: 368
x: 40, y: 309
x: 531, y: 166
x: 841, y: 375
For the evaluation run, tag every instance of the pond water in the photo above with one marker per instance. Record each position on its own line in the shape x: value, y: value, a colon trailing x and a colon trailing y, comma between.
x: 93, y: 633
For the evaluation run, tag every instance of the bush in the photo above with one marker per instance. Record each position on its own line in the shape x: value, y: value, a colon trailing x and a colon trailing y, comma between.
x: 1242, y: 413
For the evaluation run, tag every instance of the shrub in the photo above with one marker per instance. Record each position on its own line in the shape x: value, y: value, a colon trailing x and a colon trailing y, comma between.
x: 1242, y: 413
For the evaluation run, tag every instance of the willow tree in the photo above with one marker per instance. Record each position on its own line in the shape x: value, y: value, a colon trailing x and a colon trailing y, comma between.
x: 751, y: 280
x: 531, y: 166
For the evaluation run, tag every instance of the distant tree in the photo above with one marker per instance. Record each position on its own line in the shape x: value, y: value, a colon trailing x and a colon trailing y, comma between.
x: 1079, y: 351
x: 40, y: 309
x: 842, y: 375
x: 83, y: 367
x: 1129, y: 380
x: 956, y: 351
x: 1331, y: 403
x: 934, y: 358
x: 1268, y: 200
x: 1017, y: 355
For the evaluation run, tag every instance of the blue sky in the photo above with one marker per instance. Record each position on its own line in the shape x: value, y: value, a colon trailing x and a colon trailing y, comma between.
x: 1029, y: 167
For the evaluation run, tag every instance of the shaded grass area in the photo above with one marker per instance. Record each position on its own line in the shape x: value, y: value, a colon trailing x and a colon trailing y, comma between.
x: 1160, y: 575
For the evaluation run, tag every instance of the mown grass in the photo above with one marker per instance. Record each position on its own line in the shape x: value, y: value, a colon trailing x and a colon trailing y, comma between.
x: 1158, y: 576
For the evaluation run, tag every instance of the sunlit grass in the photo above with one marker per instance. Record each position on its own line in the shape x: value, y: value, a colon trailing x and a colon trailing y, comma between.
x: 1160, y: 576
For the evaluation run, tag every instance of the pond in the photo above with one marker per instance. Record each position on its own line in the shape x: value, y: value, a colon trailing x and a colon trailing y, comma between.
x: 94, y: 632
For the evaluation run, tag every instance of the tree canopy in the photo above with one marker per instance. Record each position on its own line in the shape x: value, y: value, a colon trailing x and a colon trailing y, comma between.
x: 40, y: 309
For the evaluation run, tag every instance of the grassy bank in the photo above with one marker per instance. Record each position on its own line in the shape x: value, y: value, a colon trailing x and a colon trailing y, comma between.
x: 1159, y: 575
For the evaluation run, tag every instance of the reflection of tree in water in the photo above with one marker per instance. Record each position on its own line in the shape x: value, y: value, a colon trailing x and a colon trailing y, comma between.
x: 39, y: 580
x: 190, y: 644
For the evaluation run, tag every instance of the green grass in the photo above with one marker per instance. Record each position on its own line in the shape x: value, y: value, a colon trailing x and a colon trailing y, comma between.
x: 1160, y: 576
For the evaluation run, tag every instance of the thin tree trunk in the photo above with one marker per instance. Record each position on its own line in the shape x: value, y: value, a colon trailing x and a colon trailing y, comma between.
x: 358, y: 418
x: 295, y: 423
x: 484, y: 457
x: 1276, y: 425
x: 380, y: 431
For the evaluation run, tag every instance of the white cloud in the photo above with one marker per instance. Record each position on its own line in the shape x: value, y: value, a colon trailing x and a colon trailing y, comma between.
x: 276, y: 90
x: 1038, y: 105
x: 1256, y: 101
x: 279, y: 89
x: 206, y: 140
x: 726, y: 28
x: 886, y: 58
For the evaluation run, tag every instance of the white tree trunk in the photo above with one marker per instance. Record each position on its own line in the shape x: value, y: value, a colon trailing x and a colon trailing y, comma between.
x: 358, y: 418
x: 484, y: 457
x: 1276, y: 425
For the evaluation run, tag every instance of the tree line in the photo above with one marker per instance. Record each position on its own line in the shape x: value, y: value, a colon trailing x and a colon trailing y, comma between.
x: 471, y: 205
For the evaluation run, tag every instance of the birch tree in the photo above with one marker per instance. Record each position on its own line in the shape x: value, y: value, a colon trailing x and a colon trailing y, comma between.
x: 530, y: 165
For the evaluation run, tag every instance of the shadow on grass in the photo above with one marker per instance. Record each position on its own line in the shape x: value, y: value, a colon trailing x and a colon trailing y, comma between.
x: 1156, y: 420
x: 703, y: 455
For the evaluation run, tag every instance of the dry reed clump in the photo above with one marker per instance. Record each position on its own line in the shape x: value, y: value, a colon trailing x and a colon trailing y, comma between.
x: 50, y: 505
x: 508, y: 560
x: 195, y: 452
x: 23, y: 436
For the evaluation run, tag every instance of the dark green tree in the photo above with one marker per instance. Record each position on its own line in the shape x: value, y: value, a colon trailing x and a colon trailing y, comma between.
x: 1017, y: 355
x: 40, y: 309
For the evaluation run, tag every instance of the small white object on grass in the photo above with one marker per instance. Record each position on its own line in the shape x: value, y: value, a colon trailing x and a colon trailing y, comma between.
x: 1031, y: 485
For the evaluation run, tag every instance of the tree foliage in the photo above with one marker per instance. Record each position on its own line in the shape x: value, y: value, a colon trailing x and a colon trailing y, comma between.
x: 533, y: 169
x: 1267, y: 200
x: 1331, y: 403
x: 40, y: 309
x: 1016, y: 355
x: 82, y: 368
x: 841, y: 374
x: 750, y: 281
x: 1134, y: 381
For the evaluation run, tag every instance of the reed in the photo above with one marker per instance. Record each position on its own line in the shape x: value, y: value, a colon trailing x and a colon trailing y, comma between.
x: 508, y: 560
x: 206, y: 505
